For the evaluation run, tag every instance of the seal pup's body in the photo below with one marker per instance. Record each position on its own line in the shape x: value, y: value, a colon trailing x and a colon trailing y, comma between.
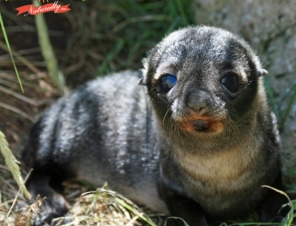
x: 200, y: 147
x: 103, y: 130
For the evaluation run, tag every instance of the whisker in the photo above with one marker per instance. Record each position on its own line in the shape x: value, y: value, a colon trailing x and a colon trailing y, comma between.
x: 165, y: 115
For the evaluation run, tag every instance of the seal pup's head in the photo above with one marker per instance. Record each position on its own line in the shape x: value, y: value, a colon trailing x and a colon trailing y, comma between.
x: 204, y: 81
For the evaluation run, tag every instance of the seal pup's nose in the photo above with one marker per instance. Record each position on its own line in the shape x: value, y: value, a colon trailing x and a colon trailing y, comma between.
x: 198, y: 101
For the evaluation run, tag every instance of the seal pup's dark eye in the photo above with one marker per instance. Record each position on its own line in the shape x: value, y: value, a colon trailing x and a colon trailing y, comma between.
x: 230, y: 81
x: 167, y: 82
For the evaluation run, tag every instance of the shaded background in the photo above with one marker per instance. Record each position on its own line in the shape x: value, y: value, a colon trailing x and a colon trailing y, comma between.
x: 99, y: 37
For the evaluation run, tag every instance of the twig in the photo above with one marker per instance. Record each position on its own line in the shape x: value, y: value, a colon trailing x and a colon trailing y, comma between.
x: 21, y: 97
x: 13, y: 109
x: 21, y: 58
x: 22, y: 52
x: 8, y: 83
x: 147, y: 18
x: 18, y: 193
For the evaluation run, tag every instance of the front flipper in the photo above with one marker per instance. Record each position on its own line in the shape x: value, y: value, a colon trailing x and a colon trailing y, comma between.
x: 53, y: 206
x: 271, y: 210
x: 186, y: 209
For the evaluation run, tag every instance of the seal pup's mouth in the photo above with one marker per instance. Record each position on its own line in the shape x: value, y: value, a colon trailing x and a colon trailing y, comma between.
x: 202, y: 124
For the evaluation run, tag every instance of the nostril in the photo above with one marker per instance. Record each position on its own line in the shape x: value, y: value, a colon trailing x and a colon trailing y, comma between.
x: 197, y: 105
x: 197, y: 102
x: 201, y: 109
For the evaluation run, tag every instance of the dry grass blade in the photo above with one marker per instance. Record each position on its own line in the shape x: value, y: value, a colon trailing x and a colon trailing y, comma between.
x: 16, y: 197
x: 11, y: 162
x: 21, y: 59
x: 19, y: 96
x: 30, y: 213
x: 105, y: 207
x: 14, y: 109
x: 279, y: 191
x: 287, y: 221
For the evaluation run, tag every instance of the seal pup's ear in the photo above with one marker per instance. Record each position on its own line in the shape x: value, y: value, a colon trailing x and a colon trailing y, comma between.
x: 143, y: 80
x: 261, y: 72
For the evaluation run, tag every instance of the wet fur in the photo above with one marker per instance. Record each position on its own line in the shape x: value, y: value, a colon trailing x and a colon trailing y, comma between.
x: 144, y: 144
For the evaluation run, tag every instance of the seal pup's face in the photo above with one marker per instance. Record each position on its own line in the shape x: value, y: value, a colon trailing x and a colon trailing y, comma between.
x: 202, y: 81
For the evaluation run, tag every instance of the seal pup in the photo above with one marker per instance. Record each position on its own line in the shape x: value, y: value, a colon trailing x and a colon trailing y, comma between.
x: 197, y: 140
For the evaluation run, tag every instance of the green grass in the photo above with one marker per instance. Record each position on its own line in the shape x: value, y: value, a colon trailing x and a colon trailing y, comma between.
x: 10, y: 52
x: 289, y: 100
x: 111, y: 37
x: 140, y: 26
